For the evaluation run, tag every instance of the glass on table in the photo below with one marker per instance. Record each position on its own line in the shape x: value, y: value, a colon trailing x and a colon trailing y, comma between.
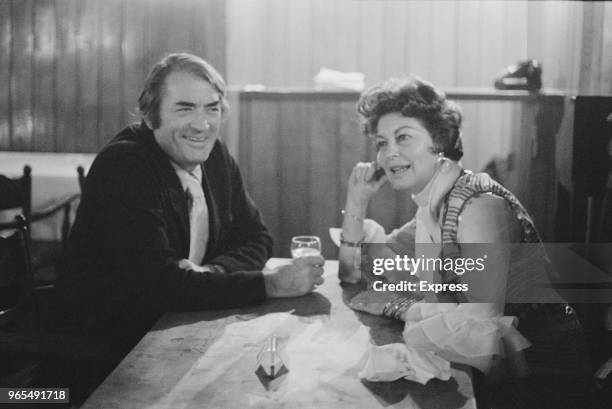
x: 303, y: 246
x: 271, y: 360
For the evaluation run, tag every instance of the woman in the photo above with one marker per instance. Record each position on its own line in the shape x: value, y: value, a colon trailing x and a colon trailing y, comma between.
x: 416, y: 131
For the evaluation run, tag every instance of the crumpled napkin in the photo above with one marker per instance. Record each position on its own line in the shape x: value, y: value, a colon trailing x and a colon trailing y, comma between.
x: 393, y: 361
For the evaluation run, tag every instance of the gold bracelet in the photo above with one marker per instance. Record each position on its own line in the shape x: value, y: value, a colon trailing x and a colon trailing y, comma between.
x: 351, y: 215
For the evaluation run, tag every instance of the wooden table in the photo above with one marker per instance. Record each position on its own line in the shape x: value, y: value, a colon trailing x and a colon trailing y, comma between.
x: 208, y: 360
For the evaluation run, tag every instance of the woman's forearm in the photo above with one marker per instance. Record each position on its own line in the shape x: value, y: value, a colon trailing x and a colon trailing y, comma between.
x: 354, y: 213
x: 353, y: 234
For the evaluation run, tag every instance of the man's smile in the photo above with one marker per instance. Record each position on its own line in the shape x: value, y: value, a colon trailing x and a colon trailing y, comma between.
x: 197, y: 139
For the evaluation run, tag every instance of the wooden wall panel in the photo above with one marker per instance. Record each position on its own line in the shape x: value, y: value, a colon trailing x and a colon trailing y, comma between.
x: 543, y: 171
x: 5, y: 75
x: 372, y: 52
x: 158, y: 29
x: 298, y: 37
x: 514, y: 42
x: 43, y: 76
x: 471, y: 112
x: 174, y: 18
x: 323, y: 196
x: 395, y: 14
x: 260, y: 161
x: 606, y: 57
x: 21, y: 78
x: 323, y: 32
x: 451, y: 43
x: 294, y: 153
x: 275, y: 44
x: 298, y: 149
x: 419, y: 42
x: 209, y: 32
x: 493, y: 33
x: 443, y: 42
x: 469, y: 16
x: 74, y: 68
x: 89, y: 78
x: 110, y: 76
x: 66, y: 77
x: 352, y: 147
x: 348, y: 17
x: 134, y: 53
x: 236, y: 36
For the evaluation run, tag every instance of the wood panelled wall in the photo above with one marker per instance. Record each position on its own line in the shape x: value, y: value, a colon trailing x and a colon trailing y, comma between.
x: 297, y: 150
x: 71, y: 70
x: 577, y: 59
x: 451, y: 43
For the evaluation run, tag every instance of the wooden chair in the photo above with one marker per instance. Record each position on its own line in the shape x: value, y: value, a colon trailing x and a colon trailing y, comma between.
x: 34, y: 353
x: 15, y: 272
x: 81, y: 175
x: 17, y: 193
x: 16, y: 306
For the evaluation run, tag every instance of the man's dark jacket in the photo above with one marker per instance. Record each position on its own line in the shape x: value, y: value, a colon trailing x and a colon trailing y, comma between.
x: 132, y: 228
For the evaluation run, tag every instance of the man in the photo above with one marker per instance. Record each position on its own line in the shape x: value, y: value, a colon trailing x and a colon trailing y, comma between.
x: 165, y: 223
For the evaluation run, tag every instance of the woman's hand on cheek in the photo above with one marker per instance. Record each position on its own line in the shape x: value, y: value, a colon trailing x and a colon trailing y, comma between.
x: 362, y: 185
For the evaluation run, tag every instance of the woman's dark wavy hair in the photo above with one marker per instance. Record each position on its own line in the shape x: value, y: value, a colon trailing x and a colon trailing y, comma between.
x: 152, y: 93
x: 415, y: 98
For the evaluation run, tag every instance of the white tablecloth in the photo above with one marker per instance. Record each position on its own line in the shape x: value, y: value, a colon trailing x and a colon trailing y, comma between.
x: 54, y: 175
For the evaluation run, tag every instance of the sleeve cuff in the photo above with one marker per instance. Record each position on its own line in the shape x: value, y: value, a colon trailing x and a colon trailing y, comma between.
x: 248, y: 288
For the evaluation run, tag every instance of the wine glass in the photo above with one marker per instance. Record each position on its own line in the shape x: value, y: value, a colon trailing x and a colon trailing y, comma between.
x: 302, y: 246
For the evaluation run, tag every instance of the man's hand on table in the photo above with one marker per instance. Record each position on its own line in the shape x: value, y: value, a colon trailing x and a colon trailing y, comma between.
x: 299, y: 277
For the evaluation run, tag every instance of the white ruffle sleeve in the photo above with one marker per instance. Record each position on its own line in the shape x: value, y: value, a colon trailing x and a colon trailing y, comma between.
x: 470, y: 333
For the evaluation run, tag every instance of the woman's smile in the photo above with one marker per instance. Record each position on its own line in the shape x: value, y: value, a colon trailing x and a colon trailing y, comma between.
x: 405, y: 151
x: 398, y: 170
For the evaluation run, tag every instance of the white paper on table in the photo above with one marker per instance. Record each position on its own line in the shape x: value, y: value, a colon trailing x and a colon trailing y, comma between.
x: 320, y: 353
x: 394, y: 361
x: 239, y: 340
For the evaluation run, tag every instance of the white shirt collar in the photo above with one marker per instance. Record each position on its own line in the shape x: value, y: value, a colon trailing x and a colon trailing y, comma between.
x: 183, y: 175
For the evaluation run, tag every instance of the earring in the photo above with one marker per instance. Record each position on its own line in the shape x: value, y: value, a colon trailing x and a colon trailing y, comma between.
x: 443, y: 161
